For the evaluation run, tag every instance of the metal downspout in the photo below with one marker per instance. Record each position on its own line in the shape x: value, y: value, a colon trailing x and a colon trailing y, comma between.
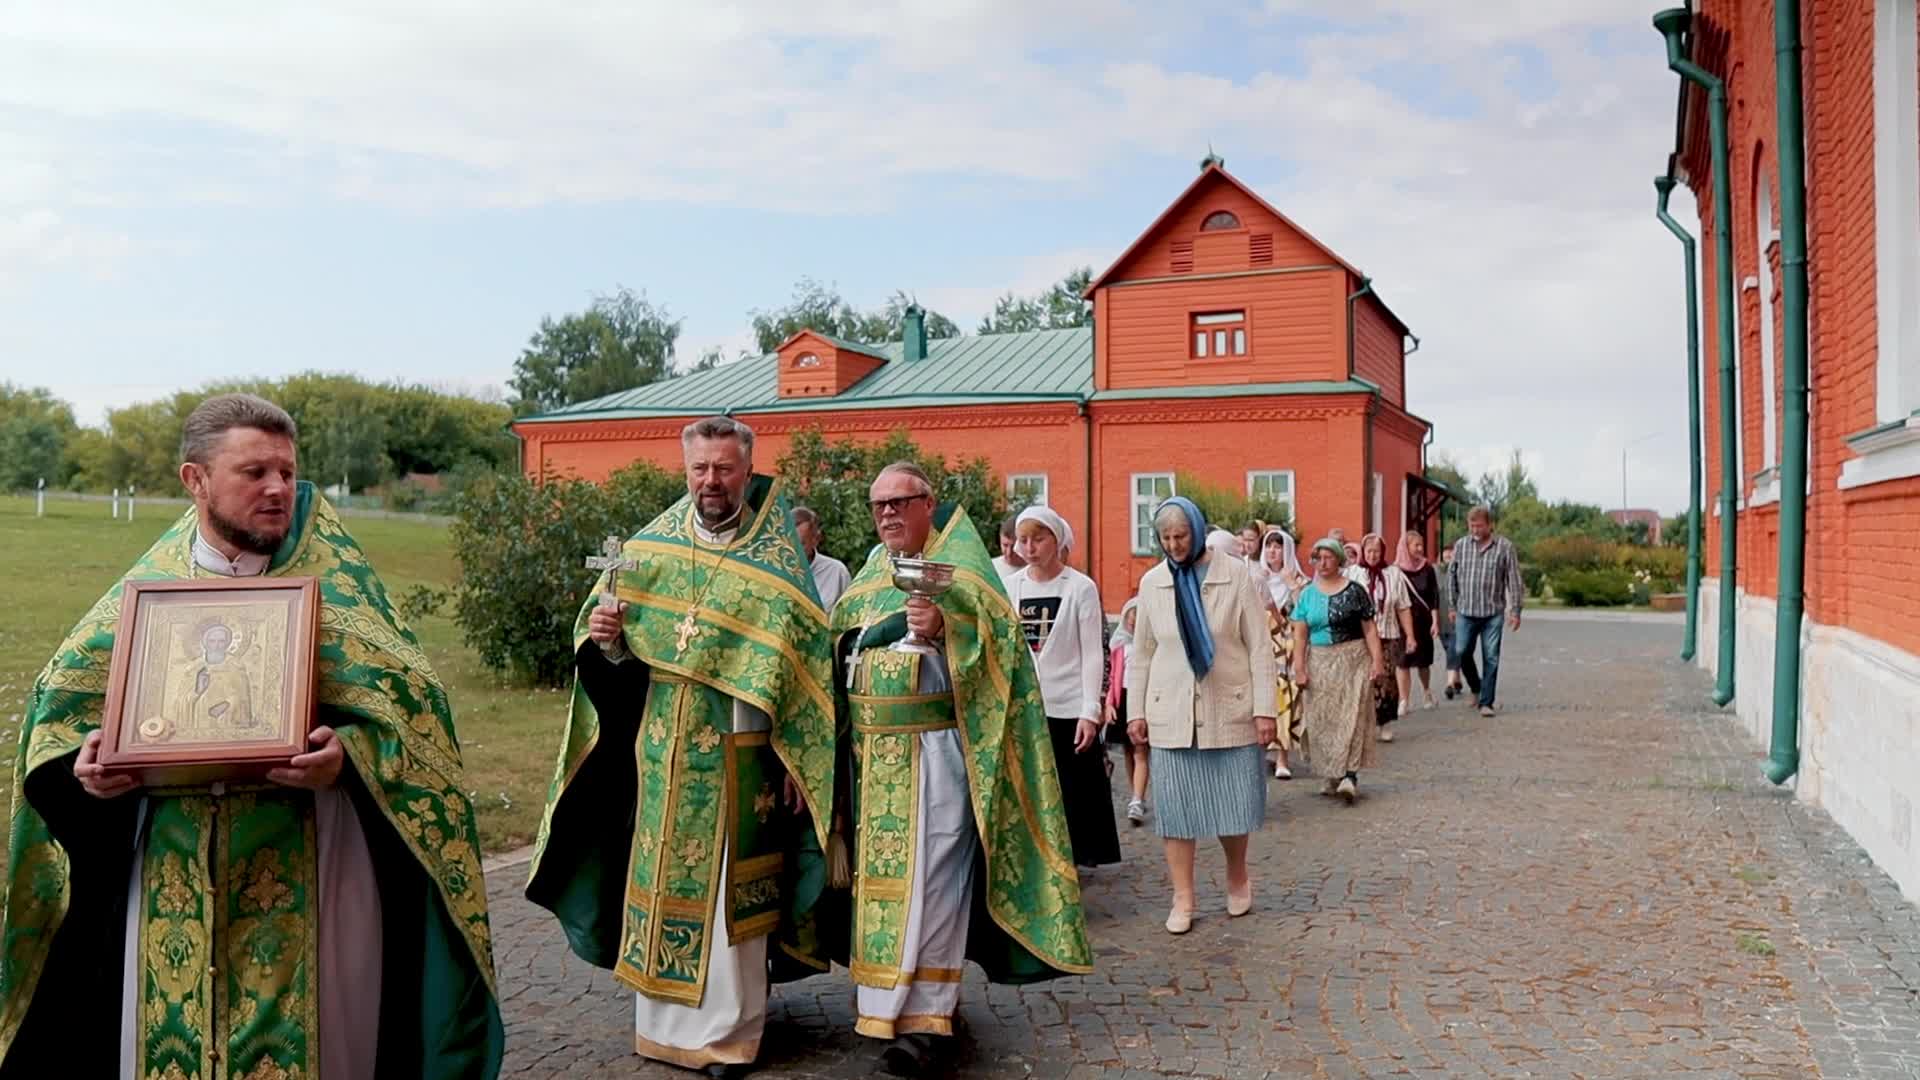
x: 1783, y: 761
x: 1664, y: 185
x: 1366, y: 471
x: 1672, y: 24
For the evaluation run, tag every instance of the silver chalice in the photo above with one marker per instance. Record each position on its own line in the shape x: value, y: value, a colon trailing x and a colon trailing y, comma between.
x: 927, y: 580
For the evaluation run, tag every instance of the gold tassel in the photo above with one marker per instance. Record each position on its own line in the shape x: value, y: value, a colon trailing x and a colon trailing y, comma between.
x: 839, y: 860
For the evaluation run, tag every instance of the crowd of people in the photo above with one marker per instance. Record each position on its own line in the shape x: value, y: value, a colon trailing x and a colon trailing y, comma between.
x: 770, y: 766
x: 1233, y: 659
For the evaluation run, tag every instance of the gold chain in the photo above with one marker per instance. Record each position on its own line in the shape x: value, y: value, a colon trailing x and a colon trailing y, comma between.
x: 689, y: 627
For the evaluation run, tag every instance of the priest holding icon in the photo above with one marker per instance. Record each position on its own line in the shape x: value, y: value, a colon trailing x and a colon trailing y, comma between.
x: 326, y: 919
x: 937, y: 687
x: 677, y: 842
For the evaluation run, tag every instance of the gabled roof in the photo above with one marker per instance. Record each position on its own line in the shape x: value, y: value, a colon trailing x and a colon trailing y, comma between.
x: 988, y: 369
x: 1212, y: 170
x: 875, y: 351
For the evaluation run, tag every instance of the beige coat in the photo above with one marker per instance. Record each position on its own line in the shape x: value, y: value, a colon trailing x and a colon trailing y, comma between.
x: 1217, y: 712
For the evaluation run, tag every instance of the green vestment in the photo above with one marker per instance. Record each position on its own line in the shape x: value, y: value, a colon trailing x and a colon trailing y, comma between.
x: 227, y: 907
x: 1036, y: 928
x: 653, y: 783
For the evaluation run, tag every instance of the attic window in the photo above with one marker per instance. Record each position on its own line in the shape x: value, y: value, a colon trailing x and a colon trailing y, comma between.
x: 1220, y: 219
x: 806, y: 360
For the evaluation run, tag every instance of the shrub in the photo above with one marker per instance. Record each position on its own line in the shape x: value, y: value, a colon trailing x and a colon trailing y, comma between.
x: 833, y: 479
x: 1571, y: 551
x: 1230, y: 510
x: 1594, y: 588
x: 521, y: 547
x: 1534, y: 578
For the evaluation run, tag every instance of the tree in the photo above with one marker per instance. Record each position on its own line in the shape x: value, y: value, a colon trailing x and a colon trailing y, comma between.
x: 1453, y: 513
x: 833, y: 480
x: 1058, y: 308
x: 1229, y: 508
x: 821, y: 308
x: 35, y: 428
x: 1498, y: 489
x: 621, y: 341
x: 520, y: 546
x: 1673, y: 531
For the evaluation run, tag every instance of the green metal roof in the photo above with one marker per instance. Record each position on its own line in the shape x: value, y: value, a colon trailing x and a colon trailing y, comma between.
x: 1040, y: 365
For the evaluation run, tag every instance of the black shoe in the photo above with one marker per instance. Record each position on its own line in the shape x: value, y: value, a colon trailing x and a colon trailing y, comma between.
x: 1451, y: 691
x: 724, y: 1071
x: 907, y: 1055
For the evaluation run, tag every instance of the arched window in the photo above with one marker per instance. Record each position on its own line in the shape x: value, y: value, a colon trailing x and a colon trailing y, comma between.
x: 1220, y: 219
x: 806, y: 360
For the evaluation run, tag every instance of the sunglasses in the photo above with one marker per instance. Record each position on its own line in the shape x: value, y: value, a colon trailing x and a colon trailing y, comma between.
x: 897, y: 506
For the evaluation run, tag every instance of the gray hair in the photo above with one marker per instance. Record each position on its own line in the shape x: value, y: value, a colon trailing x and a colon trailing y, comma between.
x: 718, y: 427
x: 908, y: 468
x: 803, y: 515
x: 219, y: 414
x: 1481, y: 511
x: 1170, y: 513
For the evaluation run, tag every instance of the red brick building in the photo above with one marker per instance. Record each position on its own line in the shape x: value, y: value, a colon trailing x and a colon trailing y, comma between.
x: 1227, y: 344
x: 1859, y: 734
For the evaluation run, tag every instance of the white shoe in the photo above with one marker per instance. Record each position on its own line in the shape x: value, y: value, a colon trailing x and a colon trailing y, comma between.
x: 1136, y: 811
x: 1179, y: 922
x: 1386, y: 734
x: 1281, y: 772
x: 1430, y: 703
x: 1405, y: 706
x: 1348, y: 790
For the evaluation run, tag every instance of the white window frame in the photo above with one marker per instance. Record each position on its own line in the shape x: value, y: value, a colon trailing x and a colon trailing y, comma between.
x: 1891, y: 449
x: 1288, y: 500
x: 1014, y: 481
x: 1764, y: 236
x: 1140, y: 510
x: 1379, y: 504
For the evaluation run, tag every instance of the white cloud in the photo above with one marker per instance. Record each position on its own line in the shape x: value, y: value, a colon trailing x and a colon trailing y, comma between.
x: 1514, y: 232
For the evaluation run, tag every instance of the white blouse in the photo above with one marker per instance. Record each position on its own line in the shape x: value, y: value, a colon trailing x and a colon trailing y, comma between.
x: 1062, y: 621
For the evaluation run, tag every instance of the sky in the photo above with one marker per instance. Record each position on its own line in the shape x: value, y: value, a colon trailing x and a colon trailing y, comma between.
x: 404, y: 188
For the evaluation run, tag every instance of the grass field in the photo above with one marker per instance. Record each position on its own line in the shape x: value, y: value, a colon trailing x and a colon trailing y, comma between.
x: 54, y: 567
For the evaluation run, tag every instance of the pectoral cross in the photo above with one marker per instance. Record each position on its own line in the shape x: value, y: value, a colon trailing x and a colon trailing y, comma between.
x: 689, y: 628
x: 610, y: 559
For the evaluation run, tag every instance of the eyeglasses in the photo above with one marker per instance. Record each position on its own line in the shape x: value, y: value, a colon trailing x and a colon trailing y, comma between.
x: 897, y: 506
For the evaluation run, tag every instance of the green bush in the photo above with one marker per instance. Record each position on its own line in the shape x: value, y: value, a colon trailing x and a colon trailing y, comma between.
x: 1594, y: 588
x: 1534, y: 578
x: 1571, y: 551
x: 521, y: 548
x: 1232, y: 510
x: 833, y: 480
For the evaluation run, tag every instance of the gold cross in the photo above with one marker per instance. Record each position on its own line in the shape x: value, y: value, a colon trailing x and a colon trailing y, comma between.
x: 689, y: 628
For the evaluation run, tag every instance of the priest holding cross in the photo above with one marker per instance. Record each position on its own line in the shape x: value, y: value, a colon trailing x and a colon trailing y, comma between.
x: 702, y: 703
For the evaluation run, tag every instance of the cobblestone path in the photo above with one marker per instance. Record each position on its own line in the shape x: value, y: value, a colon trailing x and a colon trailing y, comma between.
x: 1595, y: 883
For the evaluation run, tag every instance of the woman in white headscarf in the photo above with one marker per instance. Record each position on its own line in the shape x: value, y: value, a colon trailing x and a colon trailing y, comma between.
x: 1060, y: 613
x: 1283, y: 581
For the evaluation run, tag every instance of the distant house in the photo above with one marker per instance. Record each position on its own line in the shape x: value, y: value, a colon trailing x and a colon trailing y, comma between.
x: 1227, y: 344
x: 1650, y: 518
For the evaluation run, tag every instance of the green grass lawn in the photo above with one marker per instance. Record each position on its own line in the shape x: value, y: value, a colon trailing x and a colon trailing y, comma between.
x: 55, y: 567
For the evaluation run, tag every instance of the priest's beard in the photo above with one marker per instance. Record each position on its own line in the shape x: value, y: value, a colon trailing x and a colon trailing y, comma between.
x: 719, y: 517
x: 242, y: 537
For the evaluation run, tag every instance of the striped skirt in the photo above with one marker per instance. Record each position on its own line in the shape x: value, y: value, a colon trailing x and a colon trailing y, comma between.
x: 1205, y: 793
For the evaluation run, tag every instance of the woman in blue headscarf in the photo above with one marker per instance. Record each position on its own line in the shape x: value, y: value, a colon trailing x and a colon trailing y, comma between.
x: 1200, y: 691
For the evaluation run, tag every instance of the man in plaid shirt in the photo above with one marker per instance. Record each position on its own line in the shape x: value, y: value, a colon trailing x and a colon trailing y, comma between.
x: 1486, y: 585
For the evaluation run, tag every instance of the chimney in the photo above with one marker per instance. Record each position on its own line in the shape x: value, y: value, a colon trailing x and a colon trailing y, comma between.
x: 913, y: 334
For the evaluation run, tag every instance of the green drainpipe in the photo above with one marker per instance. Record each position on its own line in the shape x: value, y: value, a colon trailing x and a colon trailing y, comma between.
x: 1664, y: 185
x: 1784, y: 759
x: 1672, y: 24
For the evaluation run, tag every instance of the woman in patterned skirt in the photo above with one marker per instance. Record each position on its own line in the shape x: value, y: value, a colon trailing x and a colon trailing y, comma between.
x: 1284, y: 579
x: 1336, y: 659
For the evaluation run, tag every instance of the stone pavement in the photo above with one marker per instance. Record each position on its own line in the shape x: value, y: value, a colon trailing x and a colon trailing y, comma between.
x: 1596, y: 883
